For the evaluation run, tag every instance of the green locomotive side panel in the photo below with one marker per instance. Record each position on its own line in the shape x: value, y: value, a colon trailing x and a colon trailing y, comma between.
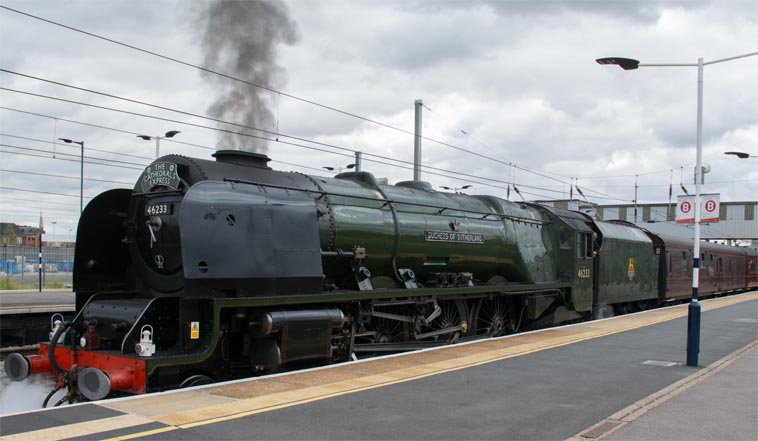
x: 535, y: 251
x: 443, y: 232
x: 412, y: 226
x: 416, y: 212
x: 358, y: 217
x: 369, y: 228
x: 627, y: 268
x: 525, y: 227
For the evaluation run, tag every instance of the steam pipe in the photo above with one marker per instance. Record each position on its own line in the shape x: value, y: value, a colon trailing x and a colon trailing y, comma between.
x: 53, y: 343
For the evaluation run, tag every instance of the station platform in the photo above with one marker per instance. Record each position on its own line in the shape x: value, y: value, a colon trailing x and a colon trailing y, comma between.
x: 25, y: 314
x: 619, y: 378
x: 32, y: 301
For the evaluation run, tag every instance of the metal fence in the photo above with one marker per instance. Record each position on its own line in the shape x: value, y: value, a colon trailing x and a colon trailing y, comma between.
x: 24, y: 261
x: 14, y: 260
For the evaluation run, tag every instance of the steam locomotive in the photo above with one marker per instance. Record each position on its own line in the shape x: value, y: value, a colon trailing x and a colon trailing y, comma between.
x: 213, y: 270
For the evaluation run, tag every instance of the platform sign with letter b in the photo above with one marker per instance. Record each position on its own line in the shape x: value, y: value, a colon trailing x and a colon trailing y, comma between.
x: 709, y: 208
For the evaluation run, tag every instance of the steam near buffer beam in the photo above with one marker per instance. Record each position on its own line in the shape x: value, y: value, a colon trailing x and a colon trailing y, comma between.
x: 241, y: 40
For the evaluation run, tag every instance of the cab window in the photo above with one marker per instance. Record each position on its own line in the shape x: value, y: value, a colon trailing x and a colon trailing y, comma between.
x: 584, y: 245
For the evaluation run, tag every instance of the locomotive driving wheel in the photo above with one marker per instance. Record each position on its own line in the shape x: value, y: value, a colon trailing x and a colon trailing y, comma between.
x: 453, y: 317
x: 388, y: 331
x: 493, y: 317
x: 196, y: 380
x: 385, y: 330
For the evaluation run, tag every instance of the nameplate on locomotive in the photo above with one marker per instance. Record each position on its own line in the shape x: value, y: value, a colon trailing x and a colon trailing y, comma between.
x: 453, y: 236
x: 161, y: 174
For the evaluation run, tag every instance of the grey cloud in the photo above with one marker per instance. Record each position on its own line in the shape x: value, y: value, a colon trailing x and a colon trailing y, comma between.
x: 637, y: 10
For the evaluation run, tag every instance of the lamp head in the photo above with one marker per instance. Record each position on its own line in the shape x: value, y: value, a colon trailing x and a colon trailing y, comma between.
x: 70, y: 141
x: 741, y: 155
x: 145, y: 137
x: 624, y: 63
x: 172, y: 133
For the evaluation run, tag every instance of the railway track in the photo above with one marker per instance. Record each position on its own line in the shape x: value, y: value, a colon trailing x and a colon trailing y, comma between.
x: 23, y: 350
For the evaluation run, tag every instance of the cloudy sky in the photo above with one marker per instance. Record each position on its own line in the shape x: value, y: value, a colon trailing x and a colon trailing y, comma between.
x: 502, y: 82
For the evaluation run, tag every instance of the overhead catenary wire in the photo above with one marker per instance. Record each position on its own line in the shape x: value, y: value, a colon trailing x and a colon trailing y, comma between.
x: 75, y: 147
x: 366, y: 156
x: 296, y: 165
x: 95, y: 163
x: 2, y: 196
x: 65, y: 177
x: 655, y: 172
x: 71, y: 213
x: 247, y: 127
x: 87, y: 160
x: 44, y: 192
x: 97, y: 126
x: 277, y: 135
x: 65, y: 159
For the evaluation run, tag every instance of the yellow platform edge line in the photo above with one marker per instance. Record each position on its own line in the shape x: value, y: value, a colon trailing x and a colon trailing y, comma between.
x: 78, y: 430
x: 142, y: 434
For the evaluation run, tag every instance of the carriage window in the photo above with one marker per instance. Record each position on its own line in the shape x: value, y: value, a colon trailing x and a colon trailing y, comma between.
x: 710, y: 268
x: 683, y: 264
x: 720, y: 265
x: 668, y: 259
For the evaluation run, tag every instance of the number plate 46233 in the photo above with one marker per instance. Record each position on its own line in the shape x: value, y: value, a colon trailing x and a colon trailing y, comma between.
x: 157, y: 209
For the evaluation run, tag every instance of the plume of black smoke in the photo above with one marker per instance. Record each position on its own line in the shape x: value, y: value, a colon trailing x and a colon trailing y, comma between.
x: 241, y: 39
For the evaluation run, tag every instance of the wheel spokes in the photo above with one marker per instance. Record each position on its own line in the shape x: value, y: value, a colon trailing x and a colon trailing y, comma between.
x: 494, y: 317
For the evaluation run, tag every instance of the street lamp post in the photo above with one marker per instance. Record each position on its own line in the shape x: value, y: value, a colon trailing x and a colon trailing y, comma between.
x: 81, y: 172
x: 169, y: 134
x: 693, y: 318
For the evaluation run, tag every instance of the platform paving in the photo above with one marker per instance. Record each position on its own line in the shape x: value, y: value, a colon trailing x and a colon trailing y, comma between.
x: 719, y: 402
x: 622, y: 378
